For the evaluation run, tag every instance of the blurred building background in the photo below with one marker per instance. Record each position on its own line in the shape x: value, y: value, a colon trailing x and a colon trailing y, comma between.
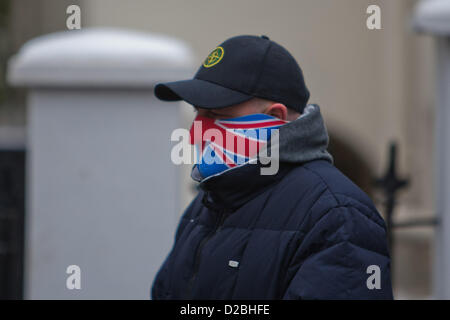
x: 373, y: 86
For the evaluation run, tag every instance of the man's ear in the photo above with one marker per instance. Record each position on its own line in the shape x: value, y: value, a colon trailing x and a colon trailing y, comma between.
x: 277, y: 110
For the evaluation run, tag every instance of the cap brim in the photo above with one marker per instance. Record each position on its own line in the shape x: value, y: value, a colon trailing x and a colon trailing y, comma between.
x: 200, y: 93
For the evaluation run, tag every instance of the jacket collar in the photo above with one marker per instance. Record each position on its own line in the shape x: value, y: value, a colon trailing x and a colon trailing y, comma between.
x: 233, y: 188
x: 300, y: 141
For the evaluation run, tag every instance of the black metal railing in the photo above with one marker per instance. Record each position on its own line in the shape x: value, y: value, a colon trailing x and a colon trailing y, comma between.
x: 390, y: 183
x: 12, y: 211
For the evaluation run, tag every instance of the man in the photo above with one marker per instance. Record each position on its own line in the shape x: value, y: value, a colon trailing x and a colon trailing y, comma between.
x: 304, y: 232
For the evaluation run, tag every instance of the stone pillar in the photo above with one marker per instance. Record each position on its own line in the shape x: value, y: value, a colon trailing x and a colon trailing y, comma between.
x: 102, y: 192
x: 433, y: 16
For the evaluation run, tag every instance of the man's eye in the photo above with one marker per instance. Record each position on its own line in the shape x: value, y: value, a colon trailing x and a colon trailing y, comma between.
x: 224, y: 116
x: 217, y: 115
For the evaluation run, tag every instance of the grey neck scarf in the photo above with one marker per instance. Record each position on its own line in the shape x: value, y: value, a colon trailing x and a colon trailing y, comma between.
x: 305, y: 138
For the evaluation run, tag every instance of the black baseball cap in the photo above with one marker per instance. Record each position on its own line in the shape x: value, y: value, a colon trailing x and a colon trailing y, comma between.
x: 239, y: 69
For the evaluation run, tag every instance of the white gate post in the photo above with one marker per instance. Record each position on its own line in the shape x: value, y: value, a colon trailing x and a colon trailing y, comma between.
x: 102, y: 192
x: 433, y: 16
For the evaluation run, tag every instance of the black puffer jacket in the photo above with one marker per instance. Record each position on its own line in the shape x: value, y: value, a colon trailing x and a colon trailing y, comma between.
x: 307, y: 232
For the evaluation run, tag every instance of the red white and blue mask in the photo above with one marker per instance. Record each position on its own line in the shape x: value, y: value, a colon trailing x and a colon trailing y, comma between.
x: 223, y: 144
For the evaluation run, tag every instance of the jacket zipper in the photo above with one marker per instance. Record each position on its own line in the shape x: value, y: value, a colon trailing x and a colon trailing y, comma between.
x: 216, y: 229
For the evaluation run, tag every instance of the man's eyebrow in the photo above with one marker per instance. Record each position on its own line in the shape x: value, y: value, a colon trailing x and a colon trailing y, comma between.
x: 213, y: 111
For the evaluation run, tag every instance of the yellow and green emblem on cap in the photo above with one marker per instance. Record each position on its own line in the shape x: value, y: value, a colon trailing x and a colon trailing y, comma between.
x: 214, y: 57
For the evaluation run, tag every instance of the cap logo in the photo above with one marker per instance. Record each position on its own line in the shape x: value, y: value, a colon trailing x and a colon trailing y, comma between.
x: 214, y: 57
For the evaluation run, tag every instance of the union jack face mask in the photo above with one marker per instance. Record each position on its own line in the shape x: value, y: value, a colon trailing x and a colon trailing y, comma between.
x: 223, y: 144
